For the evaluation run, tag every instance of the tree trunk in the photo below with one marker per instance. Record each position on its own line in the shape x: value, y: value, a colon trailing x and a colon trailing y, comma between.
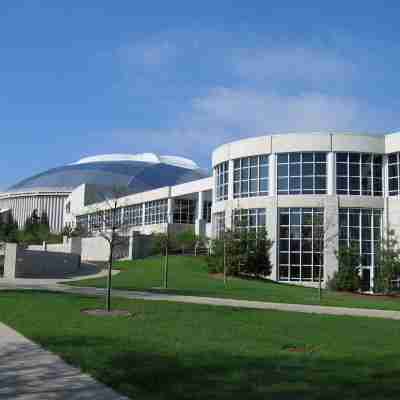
x: 319, y: 284
x: 166, y: 269
x: 162, y: 268
x: 110, y: 260
x: 109, y: 279
x: 224, y: 262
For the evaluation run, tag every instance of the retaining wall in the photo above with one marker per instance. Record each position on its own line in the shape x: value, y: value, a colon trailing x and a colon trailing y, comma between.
x: 20, y: 263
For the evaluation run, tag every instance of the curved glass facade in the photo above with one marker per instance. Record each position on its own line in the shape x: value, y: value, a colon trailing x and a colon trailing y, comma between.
x: 359, y: 174
x: 222, y: 181
x: 301, y: 173
x: 251, y: 176
x: 393, y: 174
x: 301, y: 244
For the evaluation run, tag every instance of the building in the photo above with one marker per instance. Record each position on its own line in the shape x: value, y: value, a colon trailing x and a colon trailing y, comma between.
x: 311, y: 192
x: 47, y: 191
x: 295, y: 185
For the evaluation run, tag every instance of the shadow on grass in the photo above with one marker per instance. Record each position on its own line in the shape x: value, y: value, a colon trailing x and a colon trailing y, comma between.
x: 218, y: 375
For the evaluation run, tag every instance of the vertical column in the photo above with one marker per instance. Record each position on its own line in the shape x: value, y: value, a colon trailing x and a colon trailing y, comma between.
x: 200, y: 227
x: 331, y: 236
x: 200, y: 203
x: 272, y: 230
x: 228, y: 217
x: 385, y: 191
x: 214, y: 186
x: 132, y: 252
x: 230, y: 180
x: 331, y: 174
x: 10, y: 260
x: 170, y: 210
x: 272, y: 175
x: 144, y: 214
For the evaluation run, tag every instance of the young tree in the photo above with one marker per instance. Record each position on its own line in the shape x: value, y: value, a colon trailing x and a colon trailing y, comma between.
x: 163, y: 243
x: 347, y: 278
x: 387, y: 261
x: 114, y: 231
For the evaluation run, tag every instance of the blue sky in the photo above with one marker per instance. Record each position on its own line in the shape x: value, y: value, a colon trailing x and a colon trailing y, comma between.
x: 79, y: 78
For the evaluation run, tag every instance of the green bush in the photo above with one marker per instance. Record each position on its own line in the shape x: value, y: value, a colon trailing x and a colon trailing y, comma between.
x: 387, y: 263
x: 347, y: 277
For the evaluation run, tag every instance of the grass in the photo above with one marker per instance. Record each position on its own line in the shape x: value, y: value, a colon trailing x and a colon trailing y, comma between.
x: 189, y: 276
x: 182, y: 351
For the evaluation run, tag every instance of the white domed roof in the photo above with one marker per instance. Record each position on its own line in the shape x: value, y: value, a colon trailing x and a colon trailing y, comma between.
x: 144, y: 157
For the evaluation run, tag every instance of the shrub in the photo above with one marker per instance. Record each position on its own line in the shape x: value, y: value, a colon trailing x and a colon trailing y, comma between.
x: 387, y: 262
x: 347, y: 277
x: 186, y: 239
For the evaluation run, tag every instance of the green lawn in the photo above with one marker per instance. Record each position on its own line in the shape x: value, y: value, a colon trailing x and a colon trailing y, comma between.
x: 182, y: 351
x: 188, y: 275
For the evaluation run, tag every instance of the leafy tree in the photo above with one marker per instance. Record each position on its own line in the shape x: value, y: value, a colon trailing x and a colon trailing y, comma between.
x: 241, y: 251
x: 186, y: 239
x: 44, y: 219
x: 347, y: 277
x: 387, y: 261
x: 8, y: 231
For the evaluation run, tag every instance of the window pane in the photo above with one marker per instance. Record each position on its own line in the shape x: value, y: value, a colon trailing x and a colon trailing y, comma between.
x: 283, y: 158
x: 294, y: 169
x: 308, y: 169
x: 342, y: 169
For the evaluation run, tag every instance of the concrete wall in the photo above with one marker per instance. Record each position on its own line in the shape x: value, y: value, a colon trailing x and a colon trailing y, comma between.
x: 20, y: 263
x: 95, y: 249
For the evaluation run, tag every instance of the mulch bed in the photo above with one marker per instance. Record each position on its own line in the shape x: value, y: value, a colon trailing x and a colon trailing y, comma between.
x: 99, y: 312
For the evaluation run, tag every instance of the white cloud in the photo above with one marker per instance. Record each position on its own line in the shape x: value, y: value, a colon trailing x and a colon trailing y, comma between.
x: 299, y: 64
x: 257, y: 112
x: 292, y: 89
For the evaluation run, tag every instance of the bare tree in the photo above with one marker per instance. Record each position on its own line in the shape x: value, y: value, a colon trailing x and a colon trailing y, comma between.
x: 113, y: 228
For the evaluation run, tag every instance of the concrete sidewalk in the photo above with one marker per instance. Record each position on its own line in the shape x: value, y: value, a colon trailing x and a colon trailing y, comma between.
x: 259, y: 305
x: 28, y: 372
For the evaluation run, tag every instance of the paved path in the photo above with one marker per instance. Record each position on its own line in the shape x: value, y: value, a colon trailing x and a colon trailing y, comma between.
x: 28, y: 372
x: 260, y: 305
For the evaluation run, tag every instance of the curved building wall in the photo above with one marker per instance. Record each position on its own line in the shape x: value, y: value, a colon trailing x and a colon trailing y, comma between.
x: 340, y: 178
x: 23, y: 204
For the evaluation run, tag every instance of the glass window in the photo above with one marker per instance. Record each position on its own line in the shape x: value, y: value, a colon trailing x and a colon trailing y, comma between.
x: 359, y: 174
x: 301, y: 173
x: 184, y: 211
x: 207, y: 211
x: 156, y: 212
x: 112, y: 217
x: 82, y: 223
x: 133, y: 215
x: 361, y: 227
x: 301, y: 244
x: 219, y: 224
x: 251, y: 176
x: 96, y: 221
x: 221, y: 181
x: 393, y: 175
x: 249, y: 218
